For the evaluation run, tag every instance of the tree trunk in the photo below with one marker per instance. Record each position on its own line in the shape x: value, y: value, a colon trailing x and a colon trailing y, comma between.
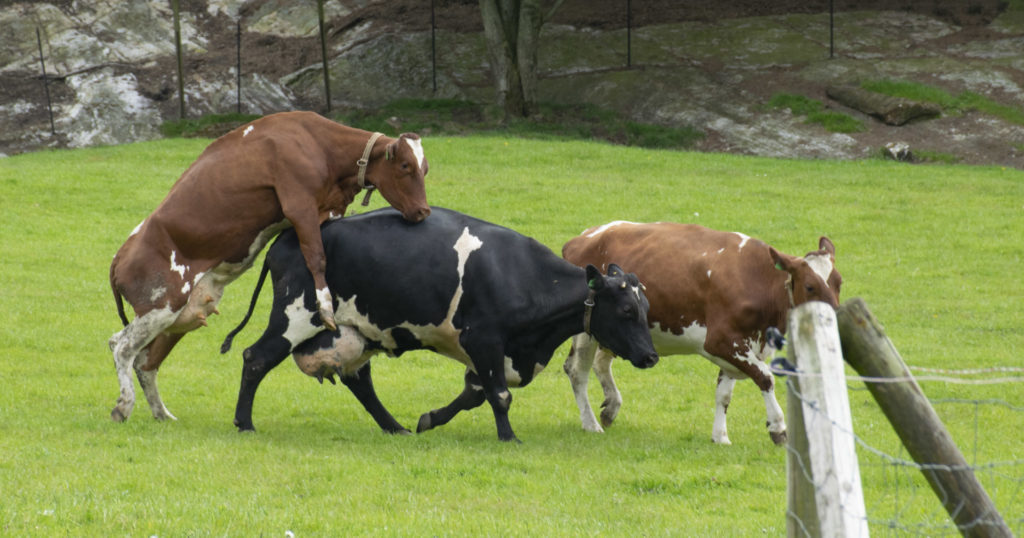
x: 512, y: 30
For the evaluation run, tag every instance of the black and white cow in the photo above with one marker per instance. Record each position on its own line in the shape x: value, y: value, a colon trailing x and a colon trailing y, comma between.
x: 493, y: 299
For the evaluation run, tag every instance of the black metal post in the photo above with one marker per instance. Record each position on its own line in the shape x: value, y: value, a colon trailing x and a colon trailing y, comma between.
x: 629, y: 33
x: 46, y: 83
x: 323, y: 52
x: 238, y: 66
x: 433, y: 47
x: 831, y: 29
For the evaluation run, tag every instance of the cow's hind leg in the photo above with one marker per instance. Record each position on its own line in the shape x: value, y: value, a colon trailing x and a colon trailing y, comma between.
x: 471, y: 397
x: 577, y: 366
x: 361, y: 385
x: 127, y: 346
x: 258, y: 360
x: 147, y: 364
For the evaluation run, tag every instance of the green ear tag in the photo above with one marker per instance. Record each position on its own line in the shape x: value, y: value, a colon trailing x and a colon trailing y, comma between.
x: 591, y: 284
x: 779, y: 267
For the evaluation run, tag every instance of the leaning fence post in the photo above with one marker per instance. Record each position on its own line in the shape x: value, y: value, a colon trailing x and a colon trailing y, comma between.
x: 825, y: 495
x: 870, y: 352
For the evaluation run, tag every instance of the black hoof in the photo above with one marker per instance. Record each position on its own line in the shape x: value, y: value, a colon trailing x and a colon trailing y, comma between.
x: 424, y: 423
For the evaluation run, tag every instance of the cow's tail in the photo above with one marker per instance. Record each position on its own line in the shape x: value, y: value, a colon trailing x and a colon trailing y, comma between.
x: 226, y: 346
x: 117, y: 298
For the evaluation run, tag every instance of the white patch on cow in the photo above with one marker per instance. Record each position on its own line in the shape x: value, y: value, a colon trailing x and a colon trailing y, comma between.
x: 198, y: 277
x: 691, y: 342
x: 137, y: 228
x: 821, y: 265
x: 709, y: 274
x: 417, y: 149
x: 300, y: 323
x: 186, y: 288
x: 157, y: 293
x: 180, y: 269
x: 333, y: 216
x: 601, y: 229
x: 323, y: 296
x: 636, y: 292
x: 721, y: 250
x: 755, y: 356
x: 246, y: 132
x: 743, y: 239
x: 512, y: 377
x: 466, y: 244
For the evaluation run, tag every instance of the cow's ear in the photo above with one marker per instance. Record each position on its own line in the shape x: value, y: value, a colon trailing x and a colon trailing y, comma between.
x: 615, y: 270
x: 826, y: 244
x: 595, y: 280
x: 782, y: 261
x: 389, y: 150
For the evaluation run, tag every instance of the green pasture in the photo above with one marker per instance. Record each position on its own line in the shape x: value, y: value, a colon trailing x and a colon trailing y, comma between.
x: 936, y: 251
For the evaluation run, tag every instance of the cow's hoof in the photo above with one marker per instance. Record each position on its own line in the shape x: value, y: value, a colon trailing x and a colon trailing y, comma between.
x: 779, y: 438
x: 327, y: 316
x: 117, y: 416
x: 424, y: 423
x: 513, y: 439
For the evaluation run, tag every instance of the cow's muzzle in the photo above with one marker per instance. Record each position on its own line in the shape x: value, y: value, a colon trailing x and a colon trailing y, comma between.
x: 419, y: 215
x: 646, y: 361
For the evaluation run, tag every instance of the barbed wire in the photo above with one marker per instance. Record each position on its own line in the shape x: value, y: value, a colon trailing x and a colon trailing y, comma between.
x: 941, y: 525
x: 781, y: 367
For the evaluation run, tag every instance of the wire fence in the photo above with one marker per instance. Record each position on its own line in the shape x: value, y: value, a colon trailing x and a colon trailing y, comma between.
x: 898, y: 499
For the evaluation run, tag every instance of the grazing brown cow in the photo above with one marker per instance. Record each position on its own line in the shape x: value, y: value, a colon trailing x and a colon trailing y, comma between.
x: 289, y: 169
x: 712, y: 293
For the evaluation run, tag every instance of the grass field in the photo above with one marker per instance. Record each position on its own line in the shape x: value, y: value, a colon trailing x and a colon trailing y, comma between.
x: 936, y: 251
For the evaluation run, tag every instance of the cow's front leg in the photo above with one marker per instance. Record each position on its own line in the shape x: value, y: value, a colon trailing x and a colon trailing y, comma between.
x: 299, y: 210
x: 776, y: 420
x: 498, y: 395
x: 612, y: 397
x: 361, y: 385
x: 723, y: 396
x: 472, y: 396
x: 577, y: 366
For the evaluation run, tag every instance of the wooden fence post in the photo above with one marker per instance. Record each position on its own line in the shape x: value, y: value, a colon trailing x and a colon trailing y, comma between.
x: 870, y: 352
x: 824, y: 490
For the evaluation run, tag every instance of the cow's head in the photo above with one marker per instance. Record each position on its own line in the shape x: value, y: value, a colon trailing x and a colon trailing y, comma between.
x: 813, y: 277
x: 618, y: 318
x: 399, y: 177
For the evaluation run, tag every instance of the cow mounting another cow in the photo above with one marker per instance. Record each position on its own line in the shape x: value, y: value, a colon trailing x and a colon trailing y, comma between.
x: 484, y: 295
x: 712, y: 293
x: 295, y: 169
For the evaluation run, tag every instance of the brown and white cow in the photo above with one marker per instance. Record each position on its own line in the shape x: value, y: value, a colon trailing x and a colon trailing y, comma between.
x: 712, y: 294
x: 290, y: 169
